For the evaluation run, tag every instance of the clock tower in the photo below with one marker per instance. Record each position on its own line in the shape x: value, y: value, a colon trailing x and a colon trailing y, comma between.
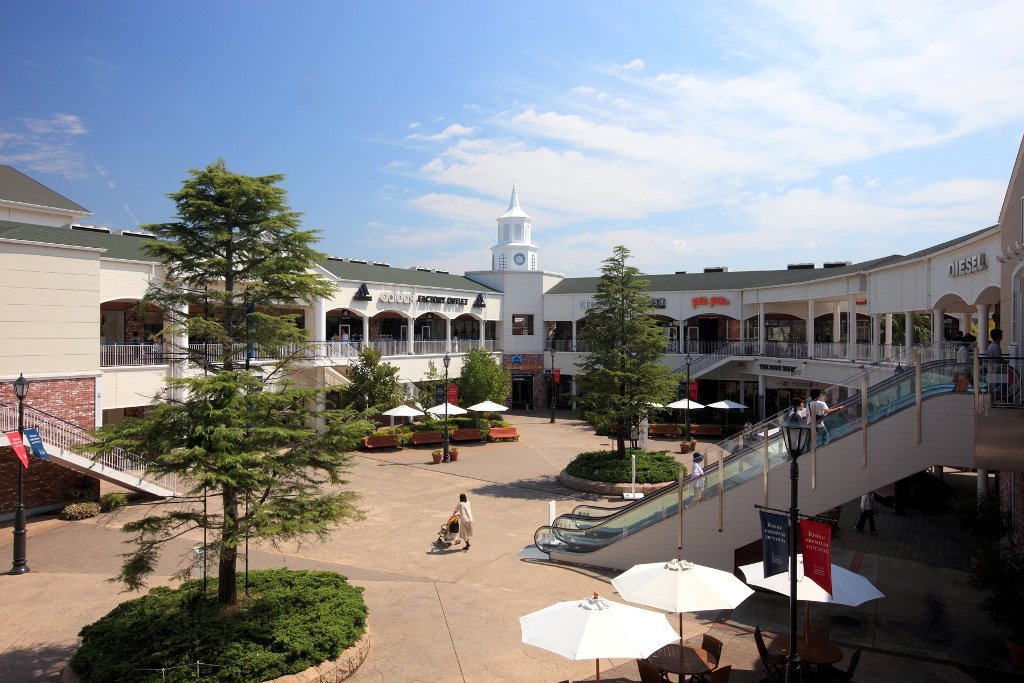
x: 514, y: 250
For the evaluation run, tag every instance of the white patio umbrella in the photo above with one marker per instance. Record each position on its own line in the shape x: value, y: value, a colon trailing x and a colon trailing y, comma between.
x: 727, y: 405
x: 488, y: 407
x: 452, y: 410
x: 681, y: 586
x: 403, y: 411
x: 685, y: 404
x: 594, y: 627
x: 848, y: 588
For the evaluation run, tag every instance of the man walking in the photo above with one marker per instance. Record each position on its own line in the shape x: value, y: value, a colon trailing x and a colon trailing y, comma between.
x: 867, y: 512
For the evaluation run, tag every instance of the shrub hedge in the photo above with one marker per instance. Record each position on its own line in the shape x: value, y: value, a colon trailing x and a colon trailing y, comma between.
x: 652, y: 467
x: 80, y: 511
x: 291, y: 621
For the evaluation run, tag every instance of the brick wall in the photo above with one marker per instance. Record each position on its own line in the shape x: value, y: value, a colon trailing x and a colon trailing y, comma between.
x: 46, y: 483
x: 530, y: 364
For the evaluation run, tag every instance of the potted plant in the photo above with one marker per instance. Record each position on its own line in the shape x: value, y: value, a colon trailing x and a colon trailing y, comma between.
x: 998, y: 575
x: 438, y: 455
x: 688, y: 443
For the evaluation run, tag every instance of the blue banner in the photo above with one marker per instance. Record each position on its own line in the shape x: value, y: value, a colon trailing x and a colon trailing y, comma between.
x: 36, y: 443
x: 774, y: 543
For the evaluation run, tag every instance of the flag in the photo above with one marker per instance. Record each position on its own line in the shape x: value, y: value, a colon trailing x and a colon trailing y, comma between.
x: 817, y: 542
x: 35, y: 442
x: 774, y: 543
x: 19, y: 447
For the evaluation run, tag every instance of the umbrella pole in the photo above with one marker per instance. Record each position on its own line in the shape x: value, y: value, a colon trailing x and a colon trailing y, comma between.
x: 597, y: 670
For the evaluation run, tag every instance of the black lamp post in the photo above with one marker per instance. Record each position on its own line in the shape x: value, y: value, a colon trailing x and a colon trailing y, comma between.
x: 797, y: 435
x: 687, y: 360
x: 444, y: 436
x: 20, y: 565
x: 552, y: 381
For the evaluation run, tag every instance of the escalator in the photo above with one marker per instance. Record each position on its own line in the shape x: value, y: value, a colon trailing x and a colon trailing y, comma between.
x: 905, y: 433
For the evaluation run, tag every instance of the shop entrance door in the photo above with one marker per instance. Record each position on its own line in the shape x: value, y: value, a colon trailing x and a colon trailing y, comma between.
x: 522, y: 391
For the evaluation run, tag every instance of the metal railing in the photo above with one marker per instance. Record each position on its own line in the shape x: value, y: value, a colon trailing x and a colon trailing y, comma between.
x: 70, y: 437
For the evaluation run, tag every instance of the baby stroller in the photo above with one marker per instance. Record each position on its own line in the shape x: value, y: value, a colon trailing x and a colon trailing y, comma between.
x: 448, y: 535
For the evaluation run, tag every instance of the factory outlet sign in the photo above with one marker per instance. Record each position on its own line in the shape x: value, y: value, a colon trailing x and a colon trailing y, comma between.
x: 777, y: 368
x: 655, y: 302
x: 410, y: 298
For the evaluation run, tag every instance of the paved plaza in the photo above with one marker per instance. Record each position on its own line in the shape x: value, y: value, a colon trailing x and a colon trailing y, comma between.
x: 453, y: 616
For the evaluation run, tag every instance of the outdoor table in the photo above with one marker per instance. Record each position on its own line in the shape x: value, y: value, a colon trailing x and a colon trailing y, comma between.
x: 813, y: 651
x: 682, y: 660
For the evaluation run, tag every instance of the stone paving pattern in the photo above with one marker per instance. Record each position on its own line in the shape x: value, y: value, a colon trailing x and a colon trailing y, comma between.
x: 453, y: 615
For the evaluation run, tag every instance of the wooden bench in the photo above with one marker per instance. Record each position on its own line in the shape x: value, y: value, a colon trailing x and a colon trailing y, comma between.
x: 425, y: 438
x: 667, y: 430
x: 380, y: 441
x: 467, y: 435
x: 496, y: 433
x: 706, y: 430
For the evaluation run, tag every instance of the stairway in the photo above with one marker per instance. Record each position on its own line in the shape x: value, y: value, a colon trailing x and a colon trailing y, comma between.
x: 908, y: 430
x: 63, y: 441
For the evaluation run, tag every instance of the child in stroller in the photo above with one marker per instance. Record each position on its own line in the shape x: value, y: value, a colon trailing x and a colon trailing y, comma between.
x: 449, y: 533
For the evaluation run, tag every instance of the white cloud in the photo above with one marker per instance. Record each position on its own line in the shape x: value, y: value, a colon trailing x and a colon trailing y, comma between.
x: 45, y: 145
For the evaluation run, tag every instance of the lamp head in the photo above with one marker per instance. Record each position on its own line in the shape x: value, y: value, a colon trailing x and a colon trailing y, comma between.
x: 687, y: 359
x: 446, y: 360
x: 21, y: 387
x: 796, y: 433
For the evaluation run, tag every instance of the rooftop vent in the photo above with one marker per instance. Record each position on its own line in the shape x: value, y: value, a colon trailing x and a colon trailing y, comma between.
x: 381, y: 263
x: 443, y: 272
x: 422, y: 270
x: 335, y: 258
x: 717, y: 269
x: 356, y: 260
x: 836, y: 264
x: 89, y: 228
x: 133, y: 233
x: 680, y: 272
x: 800, y: 266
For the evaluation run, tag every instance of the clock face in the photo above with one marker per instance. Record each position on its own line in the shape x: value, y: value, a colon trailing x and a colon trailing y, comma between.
x: 519, y: 258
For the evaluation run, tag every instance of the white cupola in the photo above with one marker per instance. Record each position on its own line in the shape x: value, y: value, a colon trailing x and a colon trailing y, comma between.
x: 514, y: 250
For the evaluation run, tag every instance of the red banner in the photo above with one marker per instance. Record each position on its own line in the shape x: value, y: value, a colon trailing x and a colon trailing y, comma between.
x: 558, y: 376
x: 816, y: 538
x: 693, y: 390
x: 19, y: 447
x: 453, y: 394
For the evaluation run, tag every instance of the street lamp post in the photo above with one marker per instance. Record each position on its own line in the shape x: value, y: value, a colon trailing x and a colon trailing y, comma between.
x: 797, y: 435
x: 687, y: 360
x: 444, y: 436
x: 552, y: 381
x: 20, y: 565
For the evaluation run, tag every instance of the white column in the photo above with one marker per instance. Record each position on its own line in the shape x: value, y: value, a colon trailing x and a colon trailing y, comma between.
x: 179, y: 347
x: 937, y: 336
x: 366, y: 331
x: 851, y: 329
x: 761, y: 390
x: 982, y: 329
x: 482, y: 332
x: 760, y: 328
x: 837, y: 323
x: 876, y: 349
x: 888, y: 334
x: 410, y: 336
x: 810, y: 328
x: 448, y: 335
x: 574, y: 322
x: 965, y: 323
x: 908, y: 331
x: 319, y: 319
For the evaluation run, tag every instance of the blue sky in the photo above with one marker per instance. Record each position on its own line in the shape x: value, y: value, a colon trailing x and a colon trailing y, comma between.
x: 742, y: 134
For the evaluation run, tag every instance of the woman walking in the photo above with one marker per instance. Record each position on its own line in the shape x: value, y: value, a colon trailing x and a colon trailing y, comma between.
x: 465, y: 514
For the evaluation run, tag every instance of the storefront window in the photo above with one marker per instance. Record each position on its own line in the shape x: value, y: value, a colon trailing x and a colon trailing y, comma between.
x: 522, y: 325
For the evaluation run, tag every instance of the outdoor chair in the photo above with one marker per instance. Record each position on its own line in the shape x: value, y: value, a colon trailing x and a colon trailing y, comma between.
x: 721, y: 674
x: 818, y: 631
x: 832, y: 673
x: 773, y: 666
x: 650, y: 673
x: 713, y: 646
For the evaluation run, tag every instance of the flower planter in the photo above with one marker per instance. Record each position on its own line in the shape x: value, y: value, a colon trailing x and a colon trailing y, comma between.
x: 453, y: 454
x: 687, y: 446
x: 436, y: 457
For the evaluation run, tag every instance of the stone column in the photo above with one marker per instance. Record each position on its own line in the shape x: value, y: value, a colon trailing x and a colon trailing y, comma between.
x: 851, y: 329
x: 908, y: 331
x: 810, y: 328
x: 760, y: 329
x: 982, y: 332
x: 876, y: 348
x: 410, y: 336
x: 937, y: 328
x: 319, y: 319
x: 448, y: 335
x: 888, y: 335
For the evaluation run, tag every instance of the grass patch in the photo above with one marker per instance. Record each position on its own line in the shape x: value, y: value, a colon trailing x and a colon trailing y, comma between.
x: 652, y: 467
x: 290, y: 621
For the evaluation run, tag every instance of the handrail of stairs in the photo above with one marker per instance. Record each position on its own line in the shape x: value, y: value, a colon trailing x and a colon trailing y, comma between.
x: 69, y: 436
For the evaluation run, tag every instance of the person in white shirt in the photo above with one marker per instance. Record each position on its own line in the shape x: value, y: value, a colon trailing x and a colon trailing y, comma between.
x: 867, y: 512
x: 817, y: 410
x: 465, y: 514
x: 697, y: 476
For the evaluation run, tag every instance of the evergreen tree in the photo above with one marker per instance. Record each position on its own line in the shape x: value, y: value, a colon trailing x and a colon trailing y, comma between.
x: 623, y: 372
x: 247, y: 435
x: 483, y: 379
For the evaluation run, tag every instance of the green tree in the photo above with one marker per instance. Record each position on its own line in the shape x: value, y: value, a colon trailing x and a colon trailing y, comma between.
x: 428, y: 385
x: 249, y: 436
x: 374, y: 383
x: 483, y: 379
x: 623, y: 371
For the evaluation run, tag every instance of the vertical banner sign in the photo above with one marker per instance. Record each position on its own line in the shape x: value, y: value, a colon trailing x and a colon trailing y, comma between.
x: 19, y: 447
x: 35, y: 442
x: 693, y: 390
x: 817, y: 541
x: 558, y: 376
x: 774, y: 543
x: 439, y: 394
x: 453, y: 394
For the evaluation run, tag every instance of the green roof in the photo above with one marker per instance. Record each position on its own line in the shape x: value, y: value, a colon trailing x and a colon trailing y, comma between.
x: 382, y: 273
x: 118, y: 246
x: 15, y: 186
